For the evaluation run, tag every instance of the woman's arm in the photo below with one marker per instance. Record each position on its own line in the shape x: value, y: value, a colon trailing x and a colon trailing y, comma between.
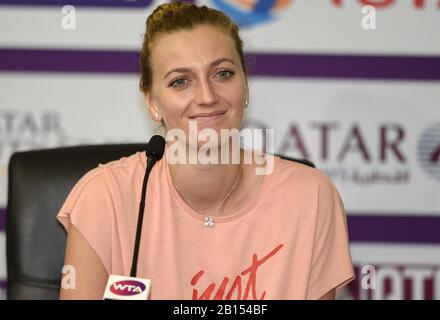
x: 90, y: 274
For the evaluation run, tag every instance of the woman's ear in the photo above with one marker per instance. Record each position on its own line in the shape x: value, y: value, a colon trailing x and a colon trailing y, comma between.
x: 152, y: 108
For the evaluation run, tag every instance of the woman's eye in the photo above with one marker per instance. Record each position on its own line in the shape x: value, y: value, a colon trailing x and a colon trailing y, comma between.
x: 225, y: 74
x: 178, y: 83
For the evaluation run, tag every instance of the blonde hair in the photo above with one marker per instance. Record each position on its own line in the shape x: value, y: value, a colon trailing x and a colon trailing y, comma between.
x: 176, y: 16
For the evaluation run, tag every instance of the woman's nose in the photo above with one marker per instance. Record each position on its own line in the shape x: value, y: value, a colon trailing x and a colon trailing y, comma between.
x: 206, y: 94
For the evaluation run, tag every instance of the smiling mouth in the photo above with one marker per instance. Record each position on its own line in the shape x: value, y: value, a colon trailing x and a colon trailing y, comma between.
x: 208, y: 116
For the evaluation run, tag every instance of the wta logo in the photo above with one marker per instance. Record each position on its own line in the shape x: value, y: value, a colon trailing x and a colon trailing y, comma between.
x: 127, y: 288
x: 429, y: 151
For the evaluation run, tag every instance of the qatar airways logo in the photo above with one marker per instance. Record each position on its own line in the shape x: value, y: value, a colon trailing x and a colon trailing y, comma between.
x: 349, y: 152
x: 127, y: 288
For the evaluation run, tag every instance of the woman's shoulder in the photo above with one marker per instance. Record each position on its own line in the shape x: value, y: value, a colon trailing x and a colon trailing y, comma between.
x: 121, y: 169
x: 97, y: 181
x: 299, y: 173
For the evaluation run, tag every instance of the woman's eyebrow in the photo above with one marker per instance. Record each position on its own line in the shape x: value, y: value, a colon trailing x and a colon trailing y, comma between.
x: 179, y: 70
x: 212, y: 64
x: 218, y: 61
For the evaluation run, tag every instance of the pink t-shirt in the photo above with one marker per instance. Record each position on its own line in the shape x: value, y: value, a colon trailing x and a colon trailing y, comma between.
x: 290, y: 242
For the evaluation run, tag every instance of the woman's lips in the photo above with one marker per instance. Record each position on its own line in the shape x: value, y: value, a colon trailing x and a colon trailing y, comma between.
x: 208, y: 116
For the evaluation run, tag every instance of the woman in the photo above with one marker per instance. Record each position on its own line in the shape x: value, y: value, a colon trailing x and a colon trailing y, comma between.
x: 281, y: 235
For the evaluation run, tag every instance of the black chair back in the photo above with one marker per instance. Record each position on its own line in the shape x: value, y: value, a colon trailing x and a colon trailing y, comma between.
x: 39, y: 182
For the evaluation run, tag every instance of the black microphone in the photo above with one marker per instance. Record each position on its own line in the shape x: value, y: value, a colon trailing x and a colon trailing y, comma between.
x: 133, y: 288
x: 155, y: 149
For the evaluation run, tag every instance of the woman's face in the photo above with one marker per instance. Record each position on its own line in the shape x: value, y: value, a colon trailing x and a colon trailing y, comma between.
x: 197, y: 76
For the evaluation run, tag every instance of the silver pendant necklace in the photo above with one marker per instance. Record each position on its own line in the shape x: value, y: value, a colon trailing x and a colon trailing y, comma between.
x: 209, y: 220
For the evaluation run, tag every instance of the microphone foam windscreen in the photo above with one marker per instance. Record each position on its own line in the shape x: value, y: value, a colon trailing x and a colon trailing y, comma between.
x: 156, y: 147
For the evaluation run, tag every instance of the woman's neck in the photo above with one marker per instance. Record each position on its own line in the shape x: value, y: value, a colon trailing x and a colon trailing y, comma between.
x: 205, y: 186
